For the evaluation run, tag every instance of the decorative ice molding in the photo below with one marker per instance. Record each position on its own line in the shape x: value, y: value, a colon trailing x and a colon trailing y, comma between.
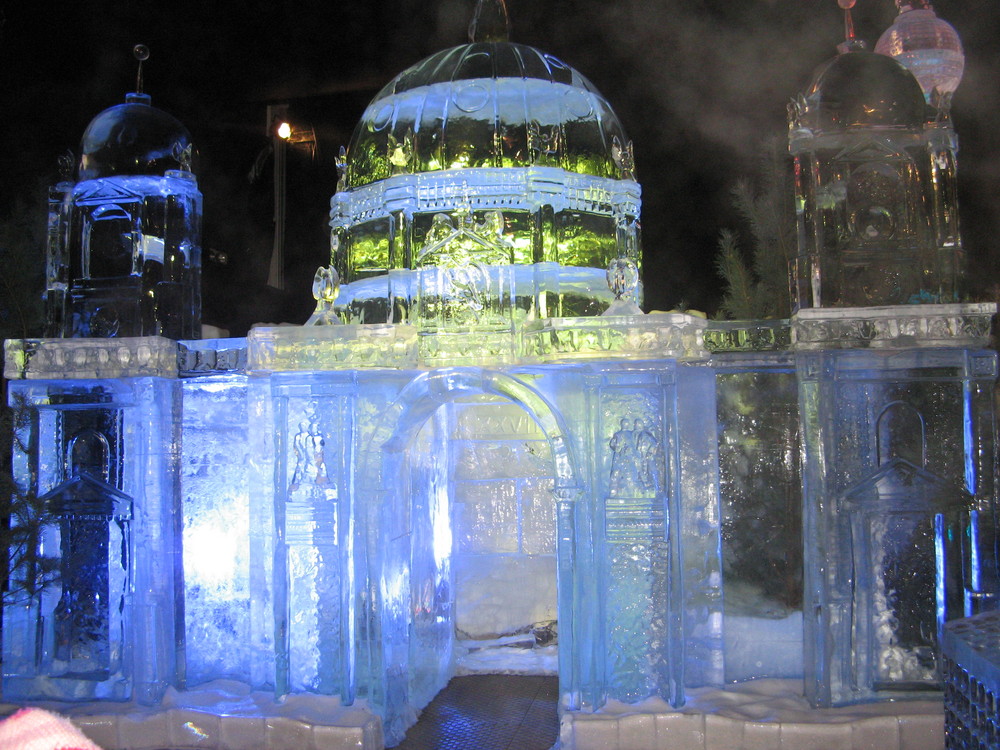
x: 661, y: 335
x: 899, y: 326
x: 343, y: 347
x: 61, y: 359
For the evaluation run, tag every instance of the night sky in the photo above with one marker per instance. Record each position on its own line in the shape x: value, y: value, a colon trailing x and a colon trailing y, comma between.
x: 699, y: 86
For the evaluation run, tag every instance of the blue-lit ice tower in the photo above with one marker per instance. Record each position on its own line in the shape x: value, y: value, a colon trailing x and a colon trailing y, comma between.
x: 895, y: 391
x: 97, y: 443
x: 124, y: 238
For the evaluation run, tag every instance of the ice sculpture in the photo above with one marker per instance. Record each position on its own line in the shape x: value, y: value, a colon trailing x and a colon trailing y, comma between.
x: 124, y: 246
x: 897, y: 421
x: 876, y: 194
x: 497, y: 446
x: 488, y: 185
x: 898, y: 498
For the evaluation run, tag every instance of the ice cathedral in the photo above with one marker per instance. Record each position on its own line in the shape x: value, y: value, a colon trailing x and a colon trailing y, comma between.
x: 479, y: 440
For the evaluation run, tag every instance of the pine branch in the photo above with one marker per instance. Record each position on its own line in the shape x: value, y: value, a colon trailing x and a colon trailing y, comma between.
x: 769, y: 215
x: 739, y: 300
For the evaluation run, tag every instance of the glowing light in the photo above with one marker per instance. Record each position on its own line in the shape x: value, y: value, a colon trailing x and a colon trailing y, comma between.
x: 284, y: 131
x: 211, y: 551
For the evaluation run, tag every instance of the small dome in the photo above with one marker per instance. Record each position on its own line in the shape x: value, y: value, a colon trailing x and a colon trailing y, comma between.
x: 487, y: 104
x: 929, y: 47
x: 863, y: 89
x: 134, y: 138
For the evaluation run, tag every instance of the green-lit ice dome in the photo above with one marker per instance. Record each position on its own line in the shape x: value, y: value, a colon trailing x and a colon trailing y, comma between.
x: 487, y: 185
x: 487, y: 104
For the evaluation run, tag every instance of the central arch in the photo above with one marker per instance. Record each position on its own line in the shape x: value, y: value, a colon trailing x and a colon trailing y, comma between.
x: 407, y: 610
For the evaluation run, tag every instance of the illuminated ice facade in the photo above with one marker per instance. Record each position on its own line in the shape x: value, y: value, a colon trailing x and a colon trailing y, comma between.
x: 362, y: 509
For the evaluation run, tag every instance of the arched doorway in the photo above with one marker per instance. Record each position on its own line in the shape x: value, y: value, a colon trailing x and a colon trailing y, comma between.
x: 407, y: 547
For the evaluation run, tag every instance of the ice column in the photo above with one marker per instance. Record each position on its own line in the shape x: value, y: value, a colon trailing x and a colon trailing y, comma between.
x: 623, y: 562
x: 97, y: 614
x: 898, y: 495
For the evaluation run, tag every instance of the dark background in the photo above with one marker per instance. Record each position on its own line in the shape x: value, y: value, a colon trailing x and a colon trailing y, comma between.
x: 700, y: 86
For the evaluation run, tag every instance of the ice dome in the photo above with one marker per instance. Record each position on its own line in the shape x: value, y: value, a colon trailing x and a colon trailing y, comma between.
x: 134, y: 138
x: 875, y: 189
x: 126, y: 255
x: 486, y: 186
x: 927, y: 45
x: 487, y: 104
x: 863, y: 89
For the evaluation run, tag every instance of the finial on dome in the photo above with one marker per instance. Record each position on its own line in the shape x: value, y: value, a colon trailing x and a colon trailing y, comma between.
x: 490, y: 22
x: 141, y: 53
x: 851, y: 43
x: 929, y: 47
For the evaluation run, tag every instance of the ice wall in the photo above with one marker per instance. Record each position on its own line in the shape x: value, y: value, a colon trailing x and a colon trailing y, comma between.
x: 215, y: 493
x: 756, y: 395
x: 898, y: 495
x: 99, y: 612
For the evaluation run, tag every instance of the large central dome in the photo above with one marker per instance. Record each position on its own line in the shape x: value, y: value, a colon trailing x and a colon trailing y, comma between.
x: 488, y: 185
x: 487, y: 104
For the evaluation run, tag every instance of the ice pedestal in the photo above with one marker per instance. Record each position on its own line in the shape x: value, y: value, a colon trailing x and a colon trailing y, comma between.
x: 898, y: 492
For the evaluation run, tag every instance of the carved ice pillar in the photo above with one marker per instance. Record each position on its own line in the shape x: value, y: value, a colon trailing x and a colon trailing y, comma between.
x: 627, y: 637
x: 310, y: 409
x: 646, y: 574
x: 312, y: 421
x: 95, y: 604
x: 899, y: 496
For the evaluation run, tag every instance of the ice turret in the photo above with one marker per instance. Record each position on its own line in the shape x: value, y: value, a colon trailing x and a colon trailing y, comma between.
x: 124, y: 255
x: 875, y: 188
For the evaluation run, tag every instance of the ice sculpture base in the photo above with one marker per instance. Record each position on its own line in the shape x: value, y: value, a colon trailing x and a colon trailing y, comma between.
x: 226, y: 715
x: 764, y: 714
x: 768, y: 714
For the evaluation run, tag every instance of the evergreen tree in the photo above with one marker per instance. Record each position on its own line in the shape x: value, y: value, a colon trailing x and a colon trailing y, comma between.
x: 757, y: 281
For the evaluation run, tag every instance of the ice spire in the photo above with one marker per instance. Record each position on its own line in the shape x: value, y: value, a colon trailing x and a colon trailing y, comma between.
x: 851, y: 43
x: 490, y: 22
x: 141, y: 52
